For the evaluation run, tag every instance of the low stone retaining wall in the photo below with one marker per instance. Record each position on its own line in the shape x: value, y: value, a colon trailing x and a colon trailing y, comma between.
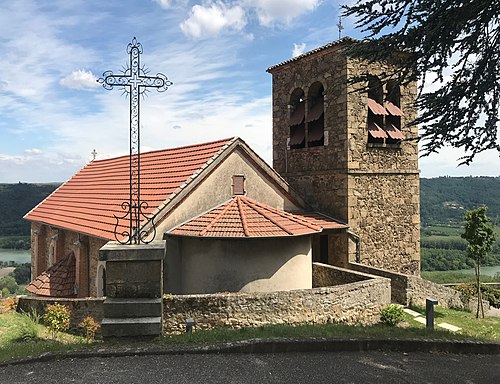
x: 80, y: 308
x: 413, y: 290
x: 325, y: 275
x: 355, y: 303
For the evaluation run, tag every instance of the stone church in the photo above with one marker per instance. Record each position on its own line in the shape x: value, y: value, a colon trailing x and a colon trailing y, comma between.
x: 344, y: 187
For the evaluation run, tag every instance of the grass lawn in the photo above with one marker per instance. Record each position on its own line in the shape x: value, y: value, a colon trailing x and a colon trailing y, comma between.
x: 13, y: 326
x: 472, y: 328
x: 22, y: 337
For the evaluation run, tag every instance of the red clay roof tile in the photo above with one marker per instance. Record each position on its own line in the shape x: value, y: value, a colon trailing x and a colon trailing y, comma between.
x: 88, y: 201
x: 243, y: 217
x: 57, y: 281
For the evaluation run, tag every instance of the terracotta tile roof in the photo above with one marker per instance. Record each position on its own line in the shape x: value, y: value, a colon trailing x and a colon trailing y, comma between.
x: 243, y: 217
x: 343, y: 41
x: 88, y: 201
x: 57, y: 281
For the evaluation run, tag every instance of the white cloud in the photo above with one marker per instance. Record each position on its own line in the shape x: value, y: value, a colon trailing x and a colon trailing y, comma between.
x: 167, y: 4
x: 211, y: 19
x: 80, y: 79
x: 281, y: 11
x: 298, y: 49
x: 33, y: 151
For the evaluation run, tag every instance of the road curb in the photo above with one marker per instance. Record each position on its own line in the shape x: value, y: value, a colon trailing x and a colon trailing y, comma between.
x: 257, y: 346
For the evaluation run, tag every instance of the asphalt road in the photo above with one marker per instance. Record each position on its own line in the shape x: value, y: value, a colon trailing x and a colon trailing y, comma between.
x: 329, y: 367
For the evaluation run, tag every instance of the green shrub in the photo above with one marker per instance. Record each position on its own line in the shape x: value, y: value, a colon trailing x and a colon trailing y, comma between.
x: 57, y: 318
x: 469, y: 290
x: 492, y: 295
x: 5, y: 292
x: 392, y: 314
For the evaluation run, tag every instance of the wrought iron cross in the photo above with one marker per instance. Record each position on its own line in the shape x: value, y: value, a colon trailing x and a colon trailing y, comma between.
x: 135, y: 82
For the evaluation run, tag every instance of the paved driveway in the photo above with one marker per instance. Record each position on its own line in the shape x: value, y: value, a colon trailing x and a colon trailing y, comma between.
x: 329, y: 367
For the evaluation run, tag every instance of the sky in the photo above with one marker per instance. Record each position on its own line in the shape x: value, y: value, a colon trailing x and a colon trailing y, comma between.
x: 54, y: 113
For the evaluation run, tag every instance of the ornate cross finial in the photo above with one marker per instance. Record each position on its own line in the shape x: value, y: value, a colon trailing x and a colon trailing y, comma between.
x: 135, y: 82
x: 94, y: 154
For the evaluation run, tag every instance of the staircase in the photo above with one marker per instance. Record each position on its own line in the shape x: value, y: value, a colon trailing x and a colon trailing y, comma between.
x: 129, y: 317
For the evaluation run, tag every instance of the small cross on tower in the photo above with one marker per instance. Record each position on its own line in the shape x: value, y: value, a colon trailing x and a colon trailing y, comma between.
x: 134, y: 81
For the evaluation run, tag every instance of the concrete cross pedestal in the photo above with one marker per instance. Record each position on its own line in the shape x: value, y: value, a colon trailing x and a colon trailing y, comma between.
x: 134, y: 288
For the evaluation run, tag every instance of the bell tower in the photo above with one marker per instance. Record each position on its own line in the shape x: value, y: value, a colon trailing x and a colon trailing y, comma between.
x: 349, y: 151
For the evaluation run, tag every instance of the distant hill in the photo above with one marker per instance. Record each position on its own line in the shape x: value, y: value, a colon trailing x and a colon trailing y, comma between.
x: 445, y: 199
x: 15, y: 201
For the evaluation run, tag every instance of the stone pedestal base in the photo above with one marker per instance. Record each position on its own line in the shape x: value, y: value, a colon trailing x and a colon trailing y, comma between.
x: 134, y: 287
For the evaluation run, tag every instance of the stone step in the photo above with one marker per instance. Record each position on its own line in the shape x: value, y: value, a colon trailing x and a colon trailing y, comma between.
x: 129, y: 327
x: 132, y: 307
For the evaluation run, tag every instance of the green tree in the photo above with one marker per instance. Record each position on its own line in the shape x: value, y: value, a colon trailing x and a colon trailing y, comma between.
x: 22, y: 273
x: 455, y: 46
x: 480, y: 235
x: 8, y: 282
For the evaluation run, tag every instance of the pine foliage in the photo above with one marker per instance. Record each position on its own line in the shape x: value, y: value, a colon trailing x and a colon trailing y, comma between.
x: 453, y: 48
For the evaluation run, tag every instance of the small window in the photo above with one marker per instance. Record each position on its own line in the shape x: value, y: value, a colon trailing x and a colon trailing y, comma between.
x: 296, y: 119
x: 238, y: 185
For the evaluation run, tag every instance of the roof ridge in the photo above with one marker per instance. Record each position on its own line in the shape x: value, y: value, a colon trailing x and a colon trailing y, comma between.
x: 230, y: 139
x: 243, y: 216
x: 217, y: 218
x: 334, y: 43
x: 262, y: 211
x: 289, y: 216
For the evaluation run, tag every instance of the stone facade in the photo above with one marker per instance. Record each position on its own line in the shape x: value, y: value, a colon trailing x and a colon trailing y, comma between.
x: 412, y: 290
x: 373, y: 187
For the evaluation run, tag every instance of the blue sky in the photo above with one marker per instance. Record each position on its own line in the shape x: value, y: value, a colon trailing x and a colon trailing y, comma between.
x: 53, y: 113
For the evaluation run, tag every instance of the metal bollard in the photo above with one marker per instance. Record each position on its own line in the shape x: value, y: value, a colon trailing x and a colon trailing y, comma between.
x: 429, y: 312
x: 189, y: 325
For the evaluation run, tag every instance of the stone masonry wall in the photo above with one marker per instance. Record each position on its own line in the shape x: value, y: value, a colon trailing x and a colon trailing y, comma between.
x: 413, y: 290
x: 384, y: 212
x: 325, y: 275
x: 355, y: 303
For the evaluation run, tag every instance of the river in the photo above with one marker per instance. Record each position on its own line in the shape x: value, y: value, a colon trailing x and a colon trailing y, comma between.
x: 19, y: 256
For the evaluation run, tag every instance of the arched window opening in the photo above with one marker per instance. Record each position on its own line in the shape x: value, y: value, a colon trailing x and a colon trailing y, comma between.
x: 297, y: 121
x: 393, y: 119
x: 316, y: 116
x: 101, y: 281
x: 376, y: 111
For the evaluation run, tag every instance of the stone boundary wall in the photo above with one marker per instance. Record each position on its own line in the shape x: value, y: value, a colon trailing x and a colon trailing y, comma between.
x: 413, y: 290
x: 80, y: 308
x: 355, y: 303
x: 325, y: 275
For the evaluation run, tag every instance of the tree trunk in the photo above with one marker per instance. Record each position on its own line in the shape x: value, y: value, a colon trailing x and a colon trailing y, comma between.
x: 479, y: 295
